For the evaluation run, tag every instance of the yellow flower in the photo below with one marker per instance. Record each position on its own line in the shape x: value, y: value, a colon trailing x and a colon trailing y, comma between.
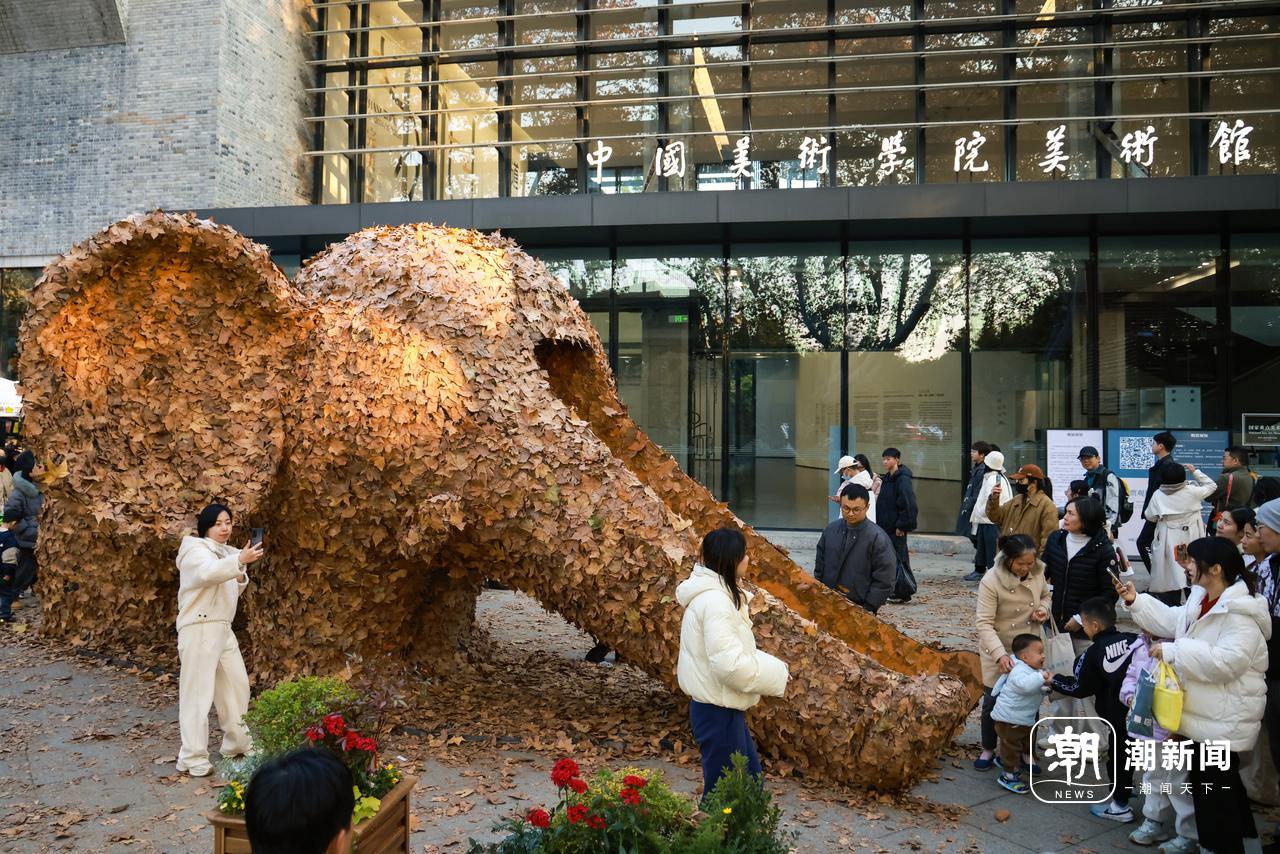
x: 728, y: 810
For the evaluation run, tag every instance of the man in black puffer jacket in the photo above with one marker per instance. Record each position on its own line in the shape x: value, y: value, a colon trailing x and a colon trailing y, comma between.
x: 896, y: 514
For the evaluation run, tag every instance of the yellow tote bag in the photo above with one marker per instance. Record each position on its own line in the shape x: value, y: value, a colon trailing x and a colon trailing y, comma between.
x: 1167, y: 705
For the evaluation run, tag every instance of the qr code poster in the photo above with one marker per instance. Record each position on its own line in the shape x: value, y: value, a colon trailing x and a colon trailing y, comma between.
x: 1128, y: 454
x: 1135, y: 453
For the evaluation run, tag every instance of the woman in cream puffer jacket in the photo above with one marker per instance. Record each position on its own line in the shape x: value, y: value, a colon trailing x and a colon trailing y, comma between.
x: 211, y: 575
x: 719, y: 667
x: 1219, y: 652
x: 1013, y: 599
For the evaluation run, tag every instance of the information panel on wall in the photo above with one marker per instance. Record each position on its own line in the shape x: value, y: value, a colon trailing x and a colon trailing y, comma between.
x: 1064, y: 463
x: 1128, y: 454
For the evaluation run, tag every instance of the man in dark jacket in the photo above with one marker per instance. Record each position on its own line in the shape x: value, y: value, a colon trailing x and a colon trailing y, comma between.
x: 24, y: 504
x: 1099, y: 673
x: 896, y: 504
x: 964, y: 521
x: 856, y: 558
x: 1162, y: 445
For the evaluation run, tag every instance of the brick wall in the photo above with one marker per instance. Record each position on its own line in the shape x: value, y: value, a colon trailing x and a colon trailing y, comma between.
x: 202, y: 106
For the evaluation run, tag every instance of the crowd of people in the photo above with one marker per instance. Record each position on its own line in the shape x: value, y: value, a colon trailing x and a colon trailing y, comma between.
x: 1208, y: 610
x: 21, y: 498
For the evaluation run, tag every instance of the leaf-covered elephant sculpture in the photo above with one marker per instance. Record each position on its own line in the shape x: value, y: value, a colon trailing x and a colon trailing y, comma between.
x: 422, y: 409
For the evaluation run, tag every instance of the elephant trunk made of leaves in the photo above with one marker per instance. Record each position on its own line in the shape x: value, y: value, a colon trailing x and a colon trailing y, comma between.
x: 424, y: 408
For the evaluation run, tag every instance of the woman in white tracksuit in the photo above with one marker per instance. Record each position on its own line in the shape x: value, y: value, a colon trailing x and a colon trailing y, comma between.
x: 719, y: 667
x: 1219, y: 652
x: 1175, y: 510
x: 211, y: 577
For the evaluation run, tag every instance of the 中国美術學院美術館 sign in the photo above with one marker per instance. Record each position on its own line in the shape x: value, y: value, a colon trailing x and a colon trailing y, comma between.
x: 1260, y: 428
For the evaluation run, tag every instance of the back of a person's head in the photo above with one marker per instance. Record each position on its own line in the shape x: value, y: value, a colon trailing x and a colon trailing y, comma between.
x: 298, y: 803
x: 1099, y: 608
x: 25, y: 462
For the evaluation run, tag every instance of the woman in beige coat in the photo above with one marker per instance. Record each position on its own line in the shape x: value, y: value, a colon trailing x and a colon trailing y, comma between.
x: 1013, y: 599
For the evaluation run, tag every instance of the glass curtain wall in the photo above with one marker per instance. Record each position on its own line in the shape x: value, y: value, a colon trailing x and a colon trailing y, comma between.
x: 1028, y: 336
x: 1158, y: 331
x: 786, y: 333
x: 1255, y: 324
x: 905, y: 305
x: 489, y: 98
x: 757, y: 369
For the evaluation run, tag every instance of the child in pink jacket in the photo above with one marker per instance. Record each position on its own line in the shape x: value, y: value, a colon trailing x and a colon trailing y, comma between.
x: 1156, y: 804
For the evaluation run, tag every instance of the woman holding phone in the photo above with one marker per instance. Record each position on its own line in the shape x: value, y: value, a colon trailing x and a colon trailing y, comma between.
x: 1219, y: 652
x: 212, y: 574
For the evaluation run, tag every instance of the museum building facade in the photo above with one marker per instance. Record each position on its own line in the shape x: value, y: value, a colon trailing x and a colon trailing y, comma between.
x: 800, y: 227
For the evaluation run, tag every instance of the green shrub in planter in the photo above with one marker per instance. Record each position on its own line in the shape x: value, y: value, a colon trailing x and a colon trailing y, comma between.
x: 277, y: 718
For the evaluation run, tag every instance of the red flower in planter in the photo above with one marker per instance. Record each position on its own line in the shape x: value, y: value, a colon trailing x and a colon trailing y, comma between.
x: 595, y: 822
x: 630, y: 796
x: 576, y: 813
x: 634, y: 782
x: 314, y: 733
x: 539, y: 817
x: 334, y: 725
x: 578, y: 786
x: 563, y: 772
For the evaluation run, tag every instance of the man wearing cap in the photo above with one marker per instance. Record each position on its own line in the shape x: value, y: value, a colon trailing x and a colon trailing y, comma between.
x: 1103, y: 485
x: 1032, y: 512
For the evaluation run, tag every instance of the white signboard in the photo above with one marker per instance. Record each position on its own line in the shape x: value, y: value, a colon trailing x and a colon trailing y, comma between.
x: 1064, y: 463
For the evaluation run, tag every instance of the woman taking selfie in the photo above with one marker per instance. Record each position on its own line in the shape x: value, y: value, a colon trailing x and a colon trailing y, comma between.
x: 212, y: 576
x: 1219, y: 651
x: 720, y: 668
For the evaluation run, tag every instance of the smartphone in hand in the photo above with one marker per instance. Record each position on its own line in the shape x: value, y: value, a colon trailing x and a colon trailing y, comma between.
x: 255, y: 536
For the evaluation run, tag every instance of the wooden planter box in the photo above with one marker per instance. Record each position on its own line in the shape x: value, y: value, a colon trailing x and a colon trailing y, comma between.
x: 385, y: 833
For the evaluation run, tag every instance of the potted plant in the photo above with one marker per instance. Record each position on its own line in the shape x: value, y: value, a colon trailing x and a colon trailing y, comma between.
x: 635, y: 811
x: 322, y: 714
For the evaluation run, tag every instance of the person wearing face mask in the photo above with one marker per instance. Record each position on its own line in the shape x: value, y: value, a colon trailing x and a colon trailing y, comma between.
x: 1175, y: 512
x: 1219, y: 651
x: 1031, y: 512
x: 212, y: 575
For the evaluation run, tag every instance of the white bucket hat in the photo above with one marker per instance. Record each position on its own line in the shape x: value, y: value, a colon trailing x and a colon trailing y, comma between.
x: 844, y: 463
x: 994, y: 460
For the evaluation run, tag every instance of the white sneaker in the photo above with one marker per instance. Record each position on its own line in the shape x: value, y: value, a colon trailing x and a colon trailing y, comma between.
x: 1180, y: 845
x: 1150, y: 833
x: 1112, y: 812
x: 200, y: 769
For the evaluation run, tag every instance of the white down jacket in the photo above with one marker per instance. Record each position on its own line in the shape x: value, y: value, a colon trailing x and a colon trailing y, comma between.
x: 1178, y: 522
x: 209, y: 581
x: 719, y: 663
x: 1221, y: 659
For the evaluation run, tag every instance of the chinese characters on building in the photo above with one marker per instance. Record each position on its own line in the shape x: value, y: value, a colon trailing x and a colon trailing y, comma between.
x: 1137, y: 147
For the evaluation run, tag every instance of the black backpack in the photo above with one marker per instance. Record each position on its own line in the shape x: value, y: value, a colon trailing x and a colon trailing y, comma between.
x: 1126, y: 503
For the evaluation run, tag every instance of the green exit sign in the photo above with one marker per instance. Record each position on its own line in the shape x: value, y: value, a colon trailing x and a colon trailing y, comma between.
x: 677, y: 318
